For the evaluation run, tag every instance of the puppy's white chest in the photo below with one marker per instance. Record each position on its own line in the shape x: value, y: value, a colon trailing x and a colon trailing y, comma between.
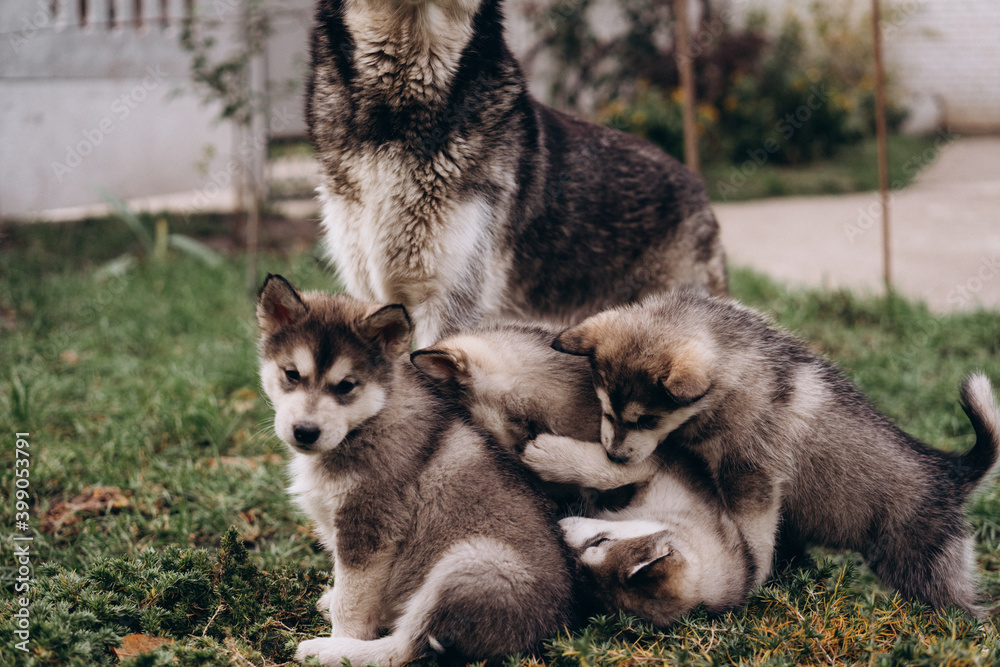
x: 318, y: 494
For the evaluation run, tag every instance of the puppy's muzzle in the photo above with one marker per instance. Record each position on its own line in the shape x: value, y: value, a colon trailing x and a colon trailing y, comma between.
x: 617, y: 459
x: 306, y: 434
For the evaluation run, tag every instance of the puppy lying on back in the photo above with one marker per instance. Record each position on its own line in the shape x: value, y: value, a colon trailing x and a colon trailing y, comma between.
x: 670, y: 548
x: 785, y: 436
x: 436, y: 533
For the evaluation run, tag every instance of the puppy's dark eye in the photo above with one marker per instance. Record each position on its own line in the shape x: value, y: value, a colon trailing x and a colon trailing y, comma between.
x: 292, y: 375
x: 343, y: 387
x: 647, y: 422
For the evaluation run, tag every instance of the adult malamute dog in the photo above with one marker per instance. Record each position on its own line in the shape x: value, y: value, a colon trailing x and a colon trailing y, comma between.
x: 449, y: 189
x: 786, y: 438
x: 667, y: 548
x: 436, y: 533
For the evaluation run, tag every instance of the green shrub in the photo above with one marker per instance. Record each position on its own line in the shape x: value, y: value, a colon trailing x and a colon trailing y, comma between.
x: 787, y: 97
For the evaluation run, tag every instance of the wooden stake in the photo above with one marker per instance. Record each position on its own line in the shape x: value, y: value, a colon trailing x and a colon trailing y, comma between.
x: 883, y: 147
x: 255, y: 160
x: 686, y: 70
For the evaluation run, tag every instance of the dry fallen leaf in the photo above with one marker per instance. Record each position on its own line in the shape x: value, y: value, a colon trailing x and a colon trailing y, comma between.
x: 69, y: 357
x: 8, y: 319
x: 136, y: 645
x: 252, y: 462
x: 94, y: 500
x: 243, y: 400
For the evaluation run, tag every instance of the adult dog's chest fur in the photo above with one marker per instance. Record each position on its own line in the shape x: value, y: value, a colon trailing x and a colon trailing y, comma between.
x: 407, y: 228
x: 402, y: 221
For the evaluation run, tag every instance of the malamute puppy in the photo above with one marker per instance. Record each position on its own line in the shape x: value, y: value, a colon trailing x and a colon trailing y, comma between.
x: 449, y: 189
x: 670, y: 547
x: 786, y: 438
x: 435, y: 533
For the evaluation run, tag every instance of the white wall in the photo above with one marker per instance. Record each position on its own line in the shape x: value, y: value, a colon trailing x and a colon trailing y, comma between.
x: 288, y: 60
x: 86, y: 108
x: 950, y: 49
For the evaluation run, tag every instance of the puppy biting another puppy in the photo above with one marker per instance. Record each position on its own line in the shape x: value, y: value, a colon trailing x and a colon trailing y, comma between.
x: 786, y: 439
x: 664, y: 549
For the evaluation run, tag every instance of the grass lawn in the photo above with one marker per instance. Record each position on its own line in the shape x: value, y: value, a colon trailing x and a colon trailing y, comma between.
x: 852, y: 169
x: 157, y: 488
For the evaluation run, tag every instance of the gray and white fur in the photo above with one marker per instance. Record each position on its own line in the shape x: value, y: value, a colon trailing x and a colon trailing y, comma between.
x: 792, y: 445
x: 449, y: 189
x: 435, y: 532
x: 669, y: 547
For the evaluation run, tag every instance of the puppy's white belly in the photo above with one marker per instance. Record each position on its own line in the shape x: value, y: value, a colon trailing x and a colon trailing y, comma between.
x: 713, y: 568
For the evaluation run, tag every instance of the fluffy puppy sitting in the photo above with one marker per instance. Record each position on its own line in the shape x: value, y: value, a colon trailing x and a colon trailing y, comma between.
x: 658, y: 552
x: 786, y: 438
x: 436, y: 533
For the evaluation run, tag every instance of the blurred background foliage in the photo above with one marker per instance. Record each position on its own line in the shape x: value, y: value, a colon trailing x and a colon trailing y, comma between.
x: 798, y: 88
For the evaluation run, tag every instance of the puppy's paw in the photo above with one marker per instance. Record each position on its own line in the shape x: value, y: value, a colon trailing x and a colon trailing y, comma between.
x: 324, y: 603
x: 329, y: 651
x: 333, y: 651
x: 546, y: 456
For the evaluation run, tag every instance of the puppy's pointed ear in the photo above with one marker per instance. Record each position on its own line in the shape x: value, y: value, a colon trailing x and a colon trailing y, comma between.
x: 577, y: 340
x: 278, y: 304
x: 442, y: 364
x: 689, y: 376
x: 660, y: 548
x: 389, y: 327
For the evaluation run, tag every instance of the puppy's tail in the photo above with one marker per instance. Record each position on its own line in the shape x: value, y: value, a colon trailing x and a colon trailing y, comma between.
x: 981, y: 408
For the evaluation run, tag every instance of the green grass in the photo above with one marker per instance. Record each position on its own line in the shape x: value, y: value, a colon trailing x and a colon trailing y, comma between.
x: 292, y: 147
x: 852, y: 169
x: 146, y: 385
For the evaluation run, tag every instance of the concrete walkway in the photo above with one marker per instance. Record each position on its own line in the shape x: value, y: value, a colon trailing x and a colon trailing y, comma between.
x: 945, y: 233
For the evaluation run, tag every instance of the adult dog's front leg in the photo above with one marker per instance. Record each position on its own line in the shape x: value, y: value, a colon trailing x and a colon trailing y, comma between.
x: 556, y: 458
x: 443, y: 310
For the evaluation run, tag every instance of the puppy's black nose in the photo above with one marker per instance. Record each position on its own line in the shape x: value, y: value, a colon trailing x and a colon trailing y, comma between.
x: 617, y: 459
x: 306, y: 434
